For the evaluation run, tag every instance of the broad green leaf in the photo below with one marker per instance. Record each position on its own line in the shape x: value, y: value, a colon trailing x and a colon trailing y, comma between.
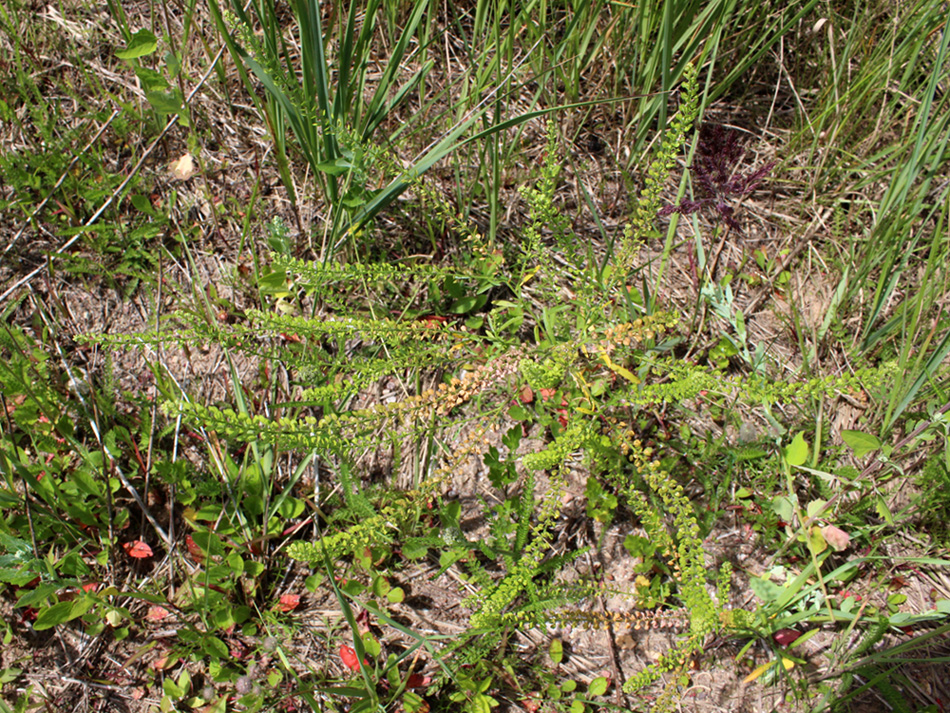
x: 880, y: 505
x: 816, y: 540
x: 598, y: 686
x: 172, y: 689
x: 796, y: 452
x: 765, y: 589
x: 54, y: 616
x: 151, y: 80
x: 468, y: 304
x: 140, y: 44
x: 783, y: 507
x: 165, y: 102
x: 215, y: 648
x: 860, y: 442
x: 815, y: 507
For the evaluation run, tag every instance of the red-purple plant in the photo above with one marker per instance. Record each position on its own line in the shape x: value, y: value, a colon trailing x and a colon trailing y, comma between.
x: 717, y: 177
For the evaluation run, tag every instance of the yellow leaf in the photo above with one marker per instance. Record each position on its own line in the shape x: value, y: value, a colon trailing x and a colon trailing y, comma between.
x: 788, y: 664
x: 527, y: 278
x: 759, y: 670
x: 617, y: 369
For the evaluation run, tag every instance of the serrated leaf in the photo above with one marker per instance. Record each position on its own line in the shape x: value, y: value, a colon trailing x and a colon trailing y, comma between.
x: 860, y: 442
x: 140, y: 44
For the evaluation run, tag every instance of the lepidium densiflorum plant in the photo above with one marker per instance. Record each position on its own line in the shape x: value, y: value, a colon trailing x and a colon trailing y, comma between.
x: 576, y: 372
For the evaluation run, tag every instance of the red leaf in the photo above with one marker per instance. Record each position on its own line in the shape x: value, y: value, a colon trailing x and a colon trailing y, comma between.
x: 156, y: 613
x: 417, y: 680
x: 786, y: 637
x: 836, y: 537
x: 137, y: 549
x: 90, y: 586
x: 349, y: 659
x: 288, y: 602
x: 526, y: 395
x: 197, y: 554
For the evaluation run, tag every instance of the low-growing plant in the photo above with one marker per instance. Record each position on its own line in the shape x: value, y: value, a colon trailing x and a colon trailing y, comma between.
x: 585, y: 380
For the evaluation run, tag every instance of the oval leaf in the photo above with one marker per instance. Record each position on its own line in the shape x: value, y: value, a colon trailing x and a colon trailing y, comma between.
x: 349, y: 658
x: 796, y: 452
x: 598, y: 686
x: 288, y: 602
x: 141, y: 43
x: 54, y: 616
x: 137, y: 549
x: 860, y: 442
x: 836, y: 537
x: 816, y: 541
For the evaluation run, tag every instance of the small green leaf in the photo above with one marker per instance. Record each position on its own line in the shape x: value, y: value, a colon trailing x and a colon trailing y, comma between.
x: 371, y: 645
x: 334, y: 168
x: 796, y: 453
x: 396, y: 595
x: 861, y: 443
x: 141, y: 43
x: 598, y: 686
x: 236, y: 563
x: 482, y: 703
x: 815, y: 507
x: 381, y: 586
x: 172, y: 689
x: 215, y: 648
x: 165, y: 102
x: 54, y: 616
x: 880, y: 505
x: 765, y: 589
x: 556, y: 651
x: 518, y: 413
x: 253, y: 569
x: 468, y: 304
x: 782, y: 506
x: 816, y: 541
